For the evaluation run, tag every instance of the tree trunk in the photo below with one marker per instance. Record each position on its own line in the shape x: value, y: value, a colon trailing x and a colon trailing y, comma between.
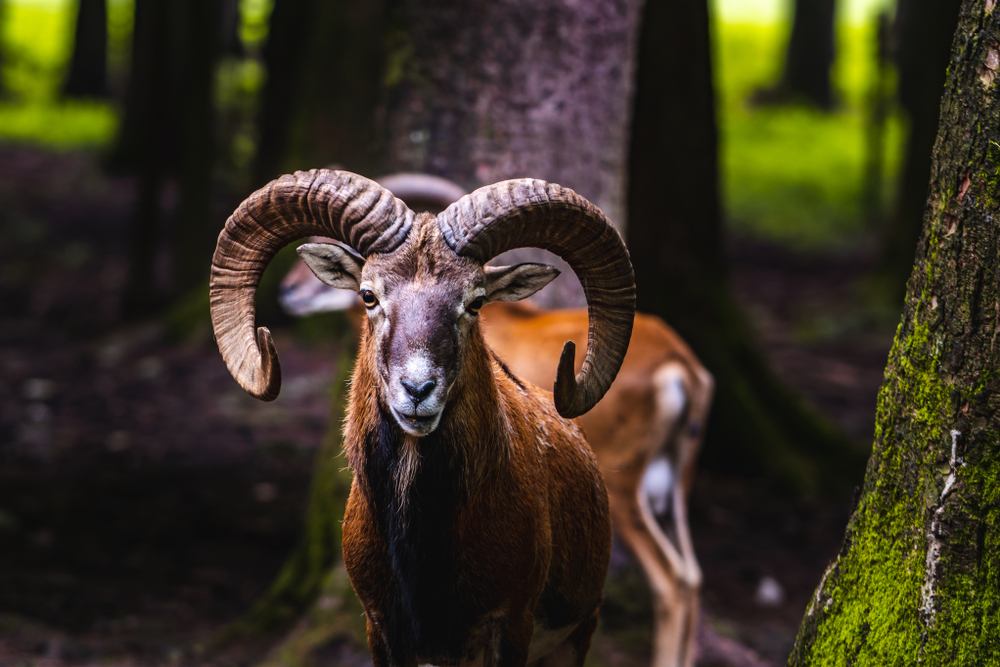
x: 168, y: 129
x: 808, y: 57
x: 676, y: 243
x: 232, y: 44
x: 197, y: 44
x: 925, y: 29
x: 880, y: 99
x: 284, y: 54
x: 487, y: 90
x: 917, y: 581
x: 325, y: 64
x: 337, y: 120
x: 142, y: 145
x: 88, y: 68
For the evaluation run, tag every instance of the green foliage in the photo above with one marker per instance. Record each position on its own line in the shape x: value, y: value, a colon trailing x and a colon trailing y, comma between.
x: 253, y: 26
x: 794, y: 175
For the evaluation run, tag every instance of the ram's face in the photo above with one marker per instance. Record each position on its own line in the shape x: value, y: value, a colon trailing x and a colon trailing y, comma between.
x: 423, y: 304
x: 421, y: 316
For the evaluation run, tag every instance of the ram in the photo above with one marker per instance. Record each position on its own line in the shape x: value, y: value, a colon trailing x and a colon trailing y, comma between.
x: 645, y: 432
x: 477, y: 528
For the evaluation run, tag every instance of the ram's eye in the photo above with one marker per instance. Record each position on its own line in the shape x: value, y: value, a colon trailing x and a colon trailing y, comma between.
x: 369, y: 298
x: 476, y: 304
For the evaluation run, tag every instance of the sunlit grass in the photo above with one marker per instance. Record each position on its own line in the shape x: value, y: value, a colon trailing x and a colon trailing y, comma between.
x: 65, y: 125
x: 37, y: 42
x: 37, y: 38
x: 794, y: 175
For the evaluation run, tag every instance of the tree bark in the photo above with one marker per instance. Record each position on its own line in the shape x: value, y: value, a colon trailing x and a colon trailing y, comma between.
x: 925, y: 29
x: 493, y: 89
x: 88, y: 69
x: 808, y: 57
x: 676, y: 243
x: 916, y: 581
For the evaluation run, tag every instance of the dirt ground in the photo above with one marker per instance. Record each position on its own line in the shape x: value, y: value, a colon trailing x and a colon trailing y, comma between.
x: 146, y: 501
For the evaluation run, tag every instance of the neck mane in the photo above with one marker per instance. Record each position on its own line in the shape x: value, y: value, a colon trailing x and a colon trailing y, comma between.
x: 470, y: 440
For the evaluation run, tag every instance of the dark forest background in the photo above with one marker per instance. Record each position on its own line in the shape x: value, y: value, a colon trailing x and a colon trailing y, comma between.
x: 774, y: 174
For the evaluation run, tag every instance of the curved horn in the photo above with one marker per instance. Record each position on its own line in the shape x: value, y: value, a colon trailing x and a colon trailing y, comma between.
x: 344, y: 206
x: 531, y: 213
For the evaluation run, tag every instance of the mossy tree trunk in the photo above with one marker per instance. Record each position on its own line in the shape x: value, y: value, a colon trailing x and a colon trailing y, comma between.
x: 676, y: 242
x: 917, y: 580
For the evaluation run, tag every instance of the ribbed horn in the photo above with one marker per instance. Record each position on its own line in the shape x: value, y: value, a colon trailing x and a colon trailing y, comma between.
x: 528, y: 213
x: 349, y: 208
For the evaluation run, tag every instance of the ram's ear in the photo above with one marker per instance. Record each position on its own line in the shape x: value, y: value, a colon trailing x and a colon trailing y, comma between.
x: 333, y: 264
x: 513, y: 283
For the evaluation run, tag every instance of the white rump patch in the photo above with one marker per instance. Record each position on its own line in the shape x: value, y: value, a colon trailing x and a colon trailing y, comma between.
x: 671, y: 399
x: 657, y: 483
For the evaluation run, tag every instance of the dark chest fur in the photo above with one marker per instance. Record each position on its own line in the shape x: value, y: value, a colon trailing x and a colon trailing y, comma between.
x: 430, y: 610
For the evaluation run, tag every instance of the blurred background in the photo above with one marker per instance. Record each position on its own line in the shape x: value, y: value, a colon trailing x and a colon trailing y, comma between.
x: 767, y: 161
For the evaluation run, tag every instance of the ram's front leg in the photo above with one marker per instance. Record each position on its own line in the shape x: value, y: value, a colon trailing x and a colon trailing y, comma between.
x: 573, y: 651
x: 508, y: 647
x: 380, y: 652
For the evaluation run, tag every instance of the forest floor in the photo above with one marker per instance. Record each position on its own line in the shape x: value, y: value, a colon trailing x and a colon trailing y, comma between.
x: 146, y: 501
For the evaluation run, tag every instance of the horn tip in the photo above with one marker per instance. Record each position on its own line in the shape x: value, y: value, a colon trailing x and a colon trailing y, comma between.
x: 566, y: 392
x: 268, y: 385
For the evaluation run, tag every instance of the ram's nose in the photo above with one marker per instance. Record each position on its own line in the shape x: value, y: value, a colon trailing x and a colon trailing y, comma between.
x: 418, y: 391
